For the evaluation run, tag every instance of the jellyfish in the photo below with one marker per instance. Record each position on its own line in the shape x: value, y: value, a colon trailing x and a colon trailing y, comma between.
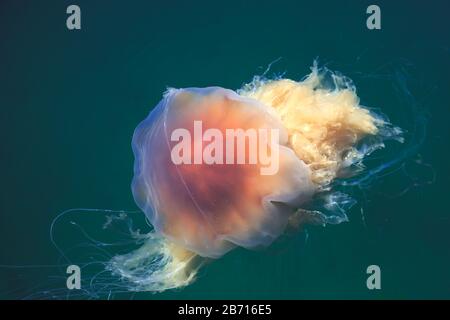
x: 217, y: 169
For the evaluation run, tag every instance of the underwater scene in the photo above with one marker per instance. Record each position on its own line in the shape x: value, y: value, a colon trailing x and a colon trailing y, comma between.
x: 224, y: 150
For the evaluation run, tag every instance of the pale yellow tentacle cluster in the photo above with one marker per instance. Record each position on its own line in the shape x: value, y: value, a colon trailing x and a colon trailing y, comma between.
x: 323, y: 124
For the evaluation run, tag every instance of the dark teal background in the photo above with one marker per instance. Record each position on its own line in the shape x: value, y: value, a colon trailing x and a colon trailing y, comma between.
x: 70, y: 100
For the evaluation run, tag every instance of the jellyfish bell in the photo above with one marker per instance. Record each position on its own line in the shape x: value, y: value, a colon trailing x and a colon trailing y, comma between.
x: 209, y: 208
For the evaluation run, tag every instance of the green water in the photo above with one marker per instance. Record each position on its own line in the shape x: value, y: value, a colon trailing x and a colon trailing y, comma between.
x: 70, y: 101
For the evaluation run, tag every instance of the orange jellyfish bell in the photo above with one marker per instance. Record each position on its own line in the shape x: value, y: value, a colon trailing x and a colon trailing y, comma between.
x: 213, y: 171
